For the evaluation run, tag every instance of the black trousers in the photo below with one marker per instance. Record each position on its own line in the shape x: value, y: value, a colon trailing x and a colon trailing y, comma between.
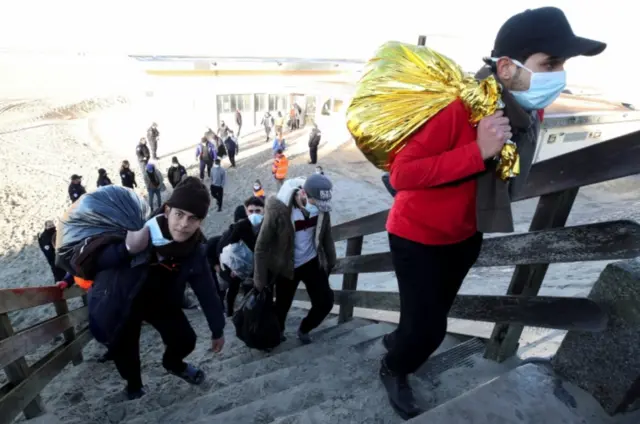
x: 217, y: 193
x: 429, y: 278
x: 316, y: 282
x: 313, y: 154
x: 174, y: 328
x: 232, y: 159
x: 232, y: 293
x: 208, y: 164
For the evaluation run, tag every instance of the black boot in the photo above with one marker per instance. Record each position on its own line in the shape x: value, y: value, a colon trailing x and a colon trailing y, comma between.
x: 399, y: 392
x: 389, y: 340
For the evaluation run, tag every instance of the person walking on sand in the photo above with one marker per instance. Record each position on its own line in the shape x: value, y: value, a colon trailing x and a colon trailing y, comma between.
x: 154, y: 181
x: 231, y: 145
x: 279, y: 123
x: 258, y: 191
x: 314, y: 141
x: 206, y: 154
x: 142, y: 277
x: 153, y: 135
x: 304, y: 251
x: 142, y: 153
x: 218, y: 180
x: 267, y: 123
x: 279, y: 143
x: 75, y: 188
x: 448, y: 191
x: 238, y: 123
x: 176, y: 172
x: 103, y: 178
x: 47, y: 243
x: 127, y: 176
x: 280, y: 168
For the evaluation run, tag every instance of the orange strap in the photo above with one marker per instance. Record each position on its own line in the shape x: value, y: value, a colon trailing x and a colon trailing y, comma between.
x: 82, y: 283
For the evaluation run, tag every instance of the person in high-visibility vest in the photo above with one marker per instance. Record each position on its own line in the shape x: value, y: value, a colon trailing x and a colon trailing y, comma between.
x: 280, y: 168
x: 258, y: 190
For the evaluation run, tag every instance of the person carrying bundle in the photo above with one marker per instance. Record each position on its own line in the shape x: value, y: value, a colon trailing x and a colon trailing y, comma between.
x: 140, y: 275
x: 467, y: 149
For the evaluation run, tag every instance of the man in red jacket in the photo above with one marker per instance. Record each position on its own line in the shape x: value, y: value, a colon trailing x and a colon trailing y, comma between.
x: 448, y: 193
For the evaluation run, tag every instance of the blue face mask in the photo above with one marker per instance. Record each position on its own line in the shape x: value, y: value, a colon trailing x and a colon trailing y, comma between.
x: 544, y: 89
x: 312, y: 209
x: 157, y: 239
x: 255, y: 219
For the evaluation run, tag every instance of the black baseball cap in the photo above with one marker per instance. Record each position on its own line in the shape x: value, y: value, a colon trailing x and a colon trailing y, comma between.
x: 76, y: 177
x: 544, y: 30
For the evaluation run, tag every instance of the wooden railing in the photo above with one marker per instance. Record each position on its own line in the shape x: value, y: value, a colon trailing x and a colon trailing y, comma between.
x: 556, y: 182
x: 22, y: 392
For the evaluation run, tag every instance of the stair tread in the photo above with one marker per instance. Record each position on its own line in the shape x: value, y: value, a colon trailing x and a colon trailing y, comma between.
x: 106, y: 378
x: 370, y: 404
x: 168, y: 390
x: 246, y: 392
x: 528, y: 394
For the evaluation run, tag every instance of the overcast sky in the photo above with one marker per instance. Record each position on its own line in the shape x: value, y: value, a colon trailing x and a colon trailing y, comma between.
x: 310, y: 28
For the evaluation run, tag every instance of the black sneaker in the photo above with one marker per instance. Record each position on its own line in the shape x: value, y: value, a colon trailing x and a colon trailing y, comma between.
x: 388, y: 340
x: 304, y: 337
x: 400, y: 393
x: 134, y: 394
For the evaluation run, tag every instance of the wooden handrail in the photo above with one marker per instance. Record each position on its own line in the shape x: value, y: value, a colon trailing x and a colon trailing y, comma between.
x: 600, y: 162
x: 26, y: 341
x: 591, y: 242
x: 565, y: 313
x: 20, y: 396
x: 29, y: 297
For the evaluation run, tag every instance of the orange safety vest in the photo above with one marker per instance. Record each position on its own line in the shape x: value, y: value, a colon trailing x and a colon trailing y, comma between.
x: 82, y: 283
x: 259, y: 193
x: 280, y: 167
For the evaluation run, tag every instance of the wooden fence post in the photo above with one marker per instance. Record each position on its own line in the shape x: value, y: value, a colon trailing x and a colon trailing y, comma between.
x: 19, y: 370
x: 552, y: 212
x: 350, y: 281
x: 62, y: 308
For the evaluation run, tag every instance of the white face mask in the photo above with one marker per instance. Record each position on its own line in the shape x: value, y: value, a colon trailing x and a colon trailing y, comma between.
x: 157, y: 239
x: 544, y: 88
x: 256, y: 187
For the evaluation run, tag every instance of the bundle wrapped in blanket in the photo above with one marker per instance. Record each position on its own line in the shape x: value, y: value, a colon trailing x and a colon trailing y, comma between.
x: 402, y: 88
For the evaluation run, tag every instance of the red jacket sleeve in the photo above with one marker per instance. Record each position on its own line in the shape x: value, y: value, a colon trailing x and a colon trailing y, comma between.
x: 441, y: 152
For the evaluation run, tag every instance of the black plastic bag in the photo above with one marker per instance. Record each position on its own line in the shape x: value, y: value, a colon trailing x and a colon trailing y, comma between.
x: 222, y: 151
x: 256, y: 322
x: 109, y: 210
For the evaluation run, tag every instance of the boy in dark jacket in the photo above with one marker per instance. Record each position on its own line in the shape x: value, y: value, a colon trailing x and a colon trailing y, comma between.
x: 143, y: 277
x: 176, y: 173
x: 127, y: 176
x: 103, y: 178
x: 245, y: 230
x: 75, y: 188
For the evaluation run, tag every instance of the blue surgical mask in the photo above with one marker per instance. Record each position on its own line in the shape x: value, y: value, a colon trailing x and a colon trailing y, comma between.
x: 157, y: 239
x: 312, y: 209
x: 544, y: 89
x: 255, y: 219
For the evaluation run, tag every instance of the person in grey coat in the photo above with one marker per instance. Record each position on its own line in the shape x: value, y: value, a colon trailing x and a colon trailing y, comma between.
x: 218, y: 180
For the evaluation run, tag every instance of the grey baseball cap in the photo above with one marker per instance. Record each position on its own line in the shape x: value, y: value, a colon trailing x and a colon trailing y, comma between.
x: 318, y: 187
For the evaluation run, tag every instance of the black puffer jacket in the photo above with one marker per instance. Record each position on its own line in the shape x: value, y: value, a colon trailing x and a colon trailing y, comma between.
x: 120, y: 277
